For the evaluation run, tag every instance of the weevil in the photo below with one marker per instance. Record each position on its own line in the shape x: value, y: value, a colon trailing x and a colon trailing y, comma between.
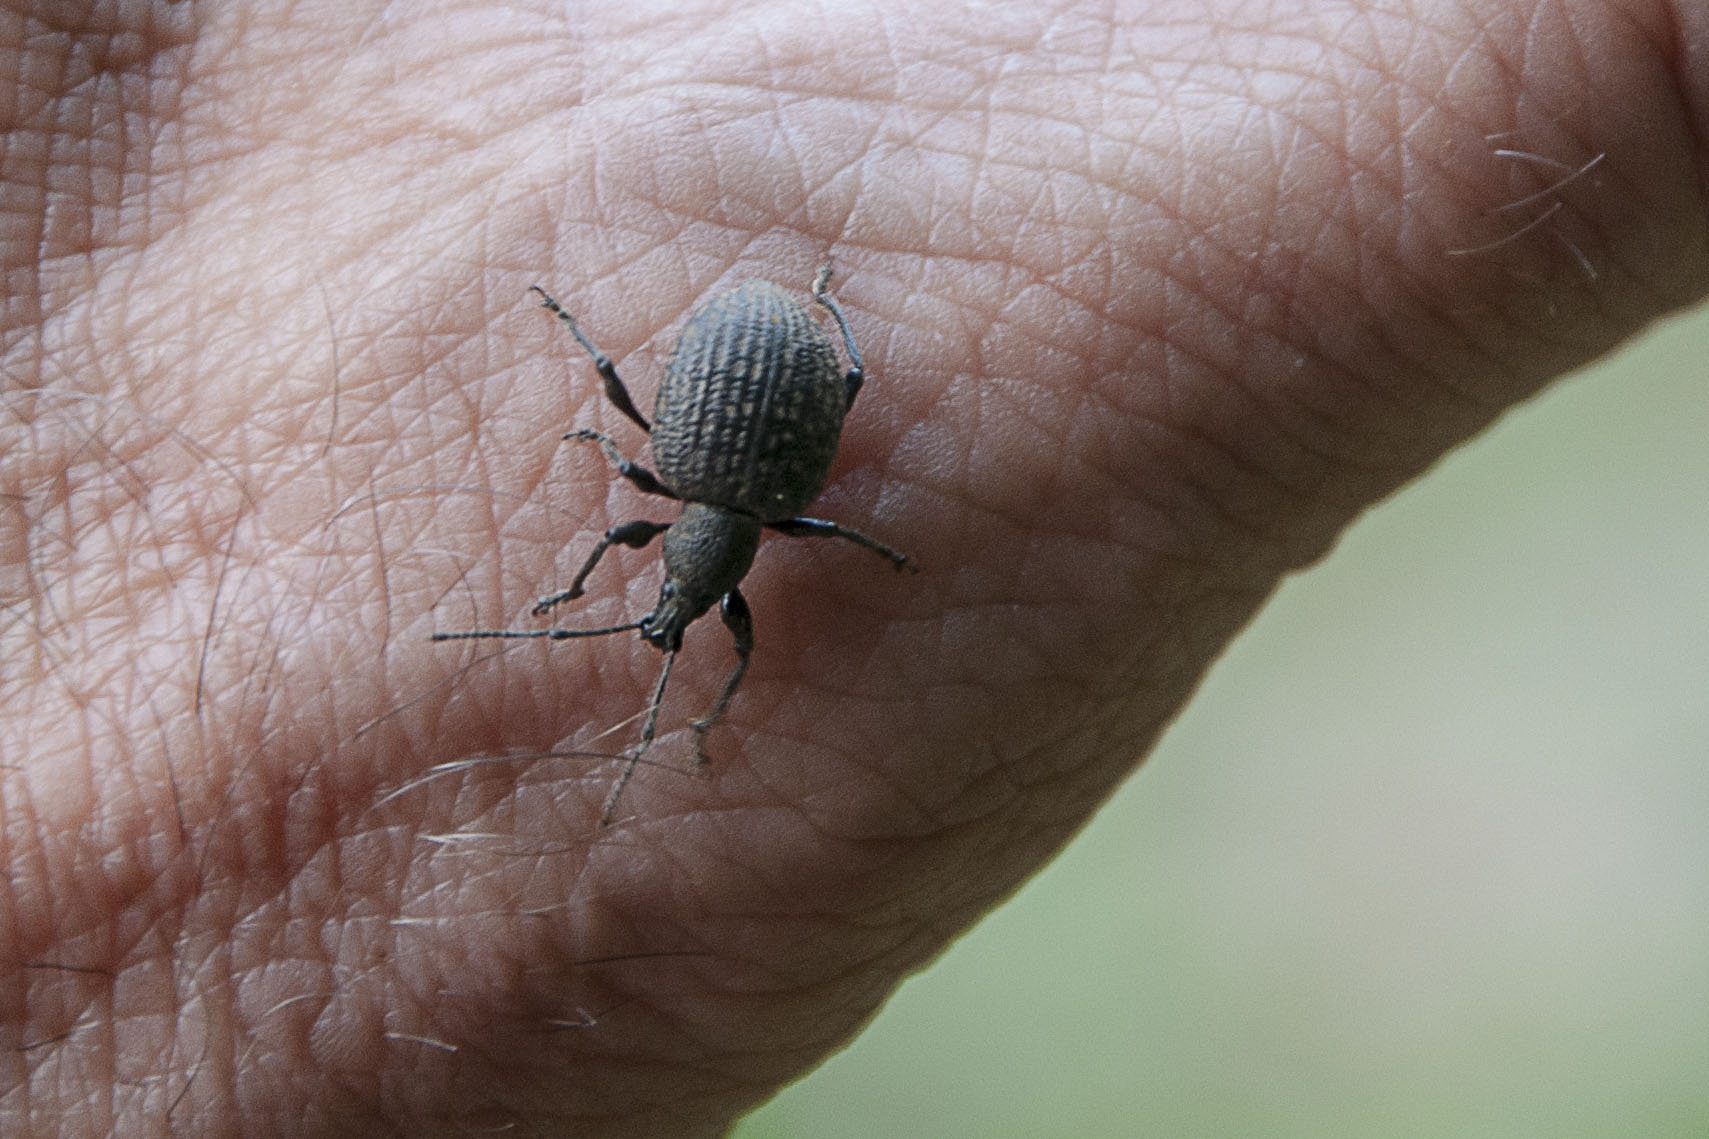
x: 744, y: 431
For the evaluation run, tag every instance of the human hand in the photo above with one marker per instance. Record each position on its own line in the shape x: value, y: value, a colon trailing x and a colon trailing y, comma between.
x: 1150, y: 312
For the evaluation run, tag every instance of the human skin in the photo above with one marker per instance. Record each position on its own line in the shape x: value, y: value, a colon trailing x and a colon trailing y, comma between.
x: 1154, y: 300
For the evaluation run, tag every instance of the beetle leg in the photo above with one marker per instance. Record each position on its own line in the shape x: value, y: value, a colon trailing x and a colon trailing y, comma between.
x: 856, y: 375
x: 635, y: 535
x: 614, y: 389
x: 642, y: 478
x: 739, y: 619
x: 610, y: 810
x: 819, y: 528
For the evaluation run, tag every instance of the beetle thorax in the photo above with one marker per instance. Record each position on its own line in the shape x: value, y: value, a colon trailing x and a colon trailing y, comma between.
x: 708, y: 550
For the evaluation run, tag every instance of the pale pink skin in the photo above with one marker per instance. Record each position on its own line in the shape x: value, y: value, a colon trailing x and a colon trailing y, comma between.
x: 1151, y: 309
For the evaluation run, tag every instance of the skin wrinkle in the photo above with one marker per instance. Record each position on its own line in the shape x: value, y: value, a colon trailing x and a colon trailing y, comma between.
x: 84, y: 231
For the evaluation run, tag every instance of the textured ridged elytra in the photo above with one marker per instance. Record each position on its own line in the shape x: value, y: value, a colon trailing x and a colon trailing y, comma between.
x: 744, y: 432
x: 752, y: 405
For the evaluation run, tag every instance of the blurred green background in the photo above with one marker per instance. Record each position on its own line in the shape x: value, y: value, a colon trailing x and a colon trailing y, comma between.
x: 1427, y: 856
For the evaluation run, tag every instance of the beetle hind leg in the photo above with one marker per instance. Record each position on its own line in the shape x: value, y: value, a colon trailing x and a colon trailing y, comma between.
x: 856, y: 375
x: 614, y: 389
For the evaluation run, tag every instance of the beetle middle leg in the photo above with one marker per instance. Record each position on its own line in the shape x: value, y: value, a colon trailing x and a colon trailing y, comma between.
x: 819, y: 528
x: 629, y: 469
x: 739, y: 619
x: 635, y: 535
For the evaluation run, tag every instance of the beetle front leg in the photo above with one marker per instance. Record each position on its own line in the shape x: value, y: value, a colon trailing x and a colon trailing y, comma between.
x: 739, y: 619
x: 642, y: 478
x: 632, y: 534
x: 614, y: 389
x: 819, y: 528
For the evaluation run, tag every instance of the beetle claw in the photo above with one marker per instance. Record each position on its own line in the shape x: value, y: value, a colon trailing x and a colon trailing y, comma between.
x: 701, y: 727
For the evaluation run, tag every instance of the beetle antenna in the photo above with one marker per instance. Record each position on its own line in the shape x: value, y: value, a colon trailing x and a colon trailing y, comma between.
x: 532, y: 634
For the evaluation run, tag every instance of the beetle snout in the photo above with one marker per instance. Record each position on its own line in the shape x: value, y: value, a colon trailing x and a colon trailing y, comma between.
x: 664, y: 626
x: 666, y: 638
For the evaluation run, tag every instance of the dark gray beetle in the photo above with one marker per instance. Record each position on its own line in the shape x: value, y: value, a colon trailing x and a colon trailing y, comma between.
x: 744, y: 431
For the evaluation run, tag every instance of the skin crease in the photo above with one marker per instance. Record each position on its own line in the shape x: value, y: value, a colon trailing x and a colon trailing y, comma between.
x: 1154, y: 300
